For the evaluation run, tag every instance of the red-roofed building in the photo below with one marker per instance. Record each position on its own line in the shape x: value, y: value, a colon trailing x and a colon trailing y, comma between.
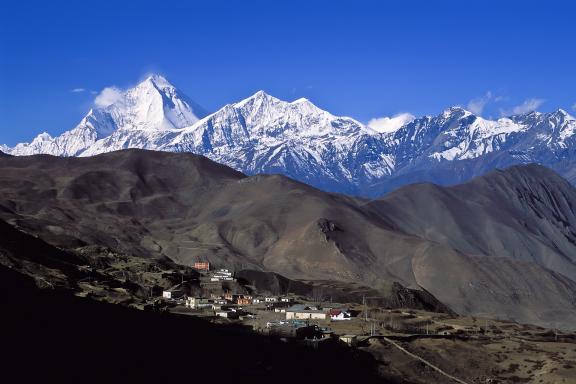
x: 339, y: 314
x: 202, y: 266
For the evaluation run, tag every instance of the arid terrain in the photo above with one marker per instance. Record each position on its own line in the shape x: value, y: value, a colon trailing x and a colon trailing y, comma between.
x: 505, y: 248
x: 122, y: 229
x: 102, y: 295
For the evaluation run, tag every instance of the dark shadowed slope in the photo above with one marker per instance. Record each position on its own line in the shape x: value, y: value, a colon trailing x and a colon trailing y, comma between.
x: 52, y: 336
x: 185, y: 207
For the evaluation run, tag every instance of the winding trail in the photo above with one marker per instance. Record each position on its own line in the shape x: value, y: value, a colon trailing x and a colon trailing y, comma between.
x: 440, y: 371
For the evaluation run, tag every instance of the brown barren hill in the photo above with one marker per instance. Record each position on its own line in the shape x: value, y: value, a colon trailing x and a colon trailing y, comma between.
x: 186, y: 207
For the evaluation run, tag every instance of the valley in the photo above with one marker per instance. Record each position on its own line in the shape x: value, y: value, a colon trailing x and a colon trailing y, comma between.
x: 185, y: 208
x: 426, y: 271
x: 395, y: 340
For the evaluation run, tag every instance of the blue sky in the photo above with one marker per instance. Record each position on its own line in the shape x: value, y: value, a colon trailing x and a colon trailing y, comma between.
x: 365, y: 59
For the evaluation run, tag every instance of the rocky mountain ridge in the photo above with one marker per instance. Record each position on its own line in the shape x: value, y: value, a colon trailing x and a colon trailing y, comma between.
x: 262, y: 134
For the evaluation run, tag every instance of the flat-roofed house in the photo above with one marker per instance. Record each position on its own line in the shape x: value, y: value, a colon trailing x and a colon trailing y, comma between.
x: 303, y: 312
x: 270, y: 299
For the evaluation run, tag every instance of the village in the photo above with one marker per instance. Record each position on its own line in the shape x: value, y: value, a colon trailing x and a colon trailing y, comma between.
x: 405, y: 338
x: 409, y: 339
x: 285, y: 316
x: 304, y: 319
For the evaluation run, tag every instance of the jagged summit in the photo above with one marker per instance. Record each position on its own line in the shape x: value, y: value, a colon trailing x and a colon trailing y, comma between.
x: 158, y: 81
x: 562, y: 114
x: 456, y: 111
x: 260, y: 97
x: 154, y: 104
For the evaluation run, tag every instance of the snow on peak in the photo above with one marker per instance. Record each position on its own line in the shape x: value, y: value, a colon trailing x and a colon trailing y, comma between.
x: 259, y: 97
x: 44, y: 136
x: 456, y: 111
x: 563, y: 115
x: 153, y: 105
x: 265, y: 130
x: 263, y: 134
x: 159, y: 81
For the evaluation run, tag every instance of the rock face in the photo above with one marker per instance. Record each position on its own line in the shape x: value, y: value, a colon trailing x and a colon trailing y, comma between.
x: 501, y: 245
x: 263, y: 134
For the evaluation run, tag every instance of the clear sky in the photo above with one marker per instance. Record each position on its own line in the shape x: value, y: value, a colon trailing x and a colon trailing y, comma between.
x: 365, y: 59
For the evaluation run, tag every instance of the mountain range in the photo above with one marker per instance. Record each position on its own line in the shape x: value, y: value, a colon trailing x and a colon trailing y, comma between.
x: 263, y: 134
x: 502, y: 245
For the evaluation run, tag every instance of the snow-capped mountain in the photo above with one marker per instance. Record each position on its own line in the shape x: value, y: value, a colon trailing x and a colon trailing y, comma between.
x: 138, y: 115
x: 262, y: 134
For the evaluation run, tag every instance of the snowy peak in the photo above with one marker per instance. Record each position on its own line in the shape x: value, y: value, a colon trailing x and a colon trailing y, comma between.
x: 561, y: 116
x: 264, y: 101
x: 154, y: 104
x: 455, y: 112
x: 158, y: 81
x: 44, y: 136
x: 99, y: 122
x: 264, y: 116
x: 456, y: 109
x: 264, y: 134
x: 259, y: 119
x: 258, y: 100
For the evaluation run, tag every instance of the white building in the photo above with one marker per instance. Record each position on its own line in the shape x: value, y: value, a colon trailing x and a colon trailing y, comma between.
x: 221, y: 275
x: 221, y: 279
x: 270, y: 299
